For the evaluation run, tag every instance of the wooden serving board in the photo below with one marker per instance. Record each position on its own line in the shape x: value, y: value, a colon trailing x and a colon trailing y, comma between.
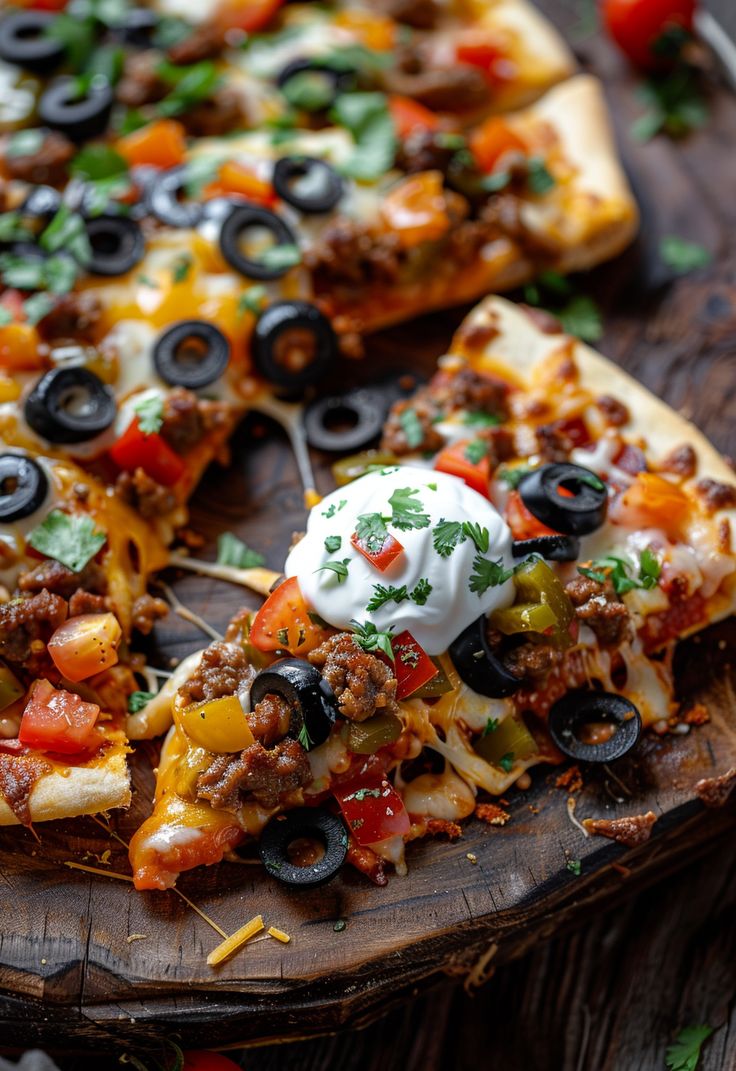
x: 70, y: 978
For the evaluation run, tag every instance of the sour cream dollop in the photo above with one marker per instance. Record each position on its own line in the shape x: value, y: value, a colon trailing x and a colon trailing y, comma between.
x: 451, y: 605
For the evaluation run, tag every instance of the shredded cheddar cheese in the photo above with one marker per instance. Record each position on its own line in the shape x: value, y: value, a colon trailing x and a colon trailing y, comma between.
x: 279, y: 935
x: 236, y: 941
x: 97, y: 870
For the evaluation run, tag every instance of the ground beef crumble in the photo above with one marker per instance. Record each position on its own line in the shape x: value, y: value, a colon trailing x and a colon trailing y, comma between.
x: 632, y: 830
x: 59, y: 579
x: 265, y: 773
x: 27, y: 623
x: 187, y: 419
x: 598, y: 606
x: 269, y: 720
x: 146, y: 496
x: 362, y: 683
x: 147, y: 610
x: 47, y: 165
x: 716, y: 495
x: 222, y: 670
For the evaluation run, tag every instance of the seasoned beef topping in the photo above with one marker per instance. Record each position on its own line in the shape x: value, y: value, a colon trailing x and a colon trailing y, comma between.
x: 470, y: 390
x: 18, y: 777
x: 269, y: 719
x: 218, y: 115
x: 187, y: 418
x: 714, y: 791
x: 146, y: 612
x: 144, y: 494
x: 531, y: 660
x: 716, y: 495
x: 141, y: 82
x: 421, y: 14
x: 631, y: 831
x: 47, y: 165
x: 423, y: 151
x: 682, y: 461
x: 613, y: 410
x: 442, y: 89
x: 266, y: 773
x: 59, y: 579
x: 29, y: 622
x: 84, y: 602
x: 598, y: 606
x: 426, y: 411
x: 350, y: 252
x: 74, y: 315
x: 205, y: 42
x: 362, y: 683
x: 222, y: 669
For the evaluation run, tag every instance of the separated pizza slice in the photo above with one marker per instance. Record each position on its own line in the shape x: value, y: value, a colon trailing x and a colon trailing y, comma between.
x: 506, y: 593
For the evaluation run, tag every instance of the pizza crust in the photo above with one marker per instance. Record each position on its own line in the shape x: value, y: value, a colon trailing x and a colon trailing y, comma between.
x: 546, y: 58
x: 78, y: 790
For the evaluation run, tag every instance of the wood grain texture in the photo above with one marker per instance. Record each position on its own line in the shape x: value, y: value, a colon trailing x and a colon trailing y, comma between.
x: 70, y: 979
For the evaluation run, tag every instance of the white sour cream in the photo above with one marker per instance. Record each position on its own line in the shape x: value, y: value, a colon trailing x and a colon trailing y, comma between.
x: 451, y: 605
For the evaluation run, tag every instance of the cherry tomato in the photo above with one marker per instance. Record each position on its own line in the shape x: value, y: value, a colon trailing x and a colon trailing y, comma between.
x: 637, y: 25
x: 412, y: 665
x: 235, y: 179
x: 492, y: 141
x: 523, y: 523
x: 134, y: 449
x: 85, y: 645
x: 57, y: 720
x: 459, y: 460
x: 373, y: 809
x: 381, y: 556
x: 283, y: 622
x: 409, y: 115
x: 162, y: 143
x: 208, y: 1061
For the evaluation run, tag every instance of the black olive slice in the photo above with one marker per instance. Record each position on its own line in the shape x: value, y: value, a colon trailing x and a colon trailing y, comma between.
x: 332, y: 82
x: 565, y: 497
x: 311, y: 700
x: 165, y: 200
x: 117, y: 245
x: 478, y: 666
x: 25, y: 42
x: 248, y: 218
x: 43, y: 202
x: 191, y: 354
x: 310, y: 824
x: 293, y: 344
x: 79, y: 117
x: 347, y: 421
x: 574, y: 711
x: 23, y: 487
x: 139, y: 26
x: 306, y: 183
x: 554, y: 548
x: 69, y: 405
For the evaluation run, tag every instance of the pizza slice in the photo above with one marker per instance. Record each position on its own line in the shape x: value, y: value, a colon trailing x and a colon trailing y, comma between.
x: 507, y: 593
x: 74, y: 566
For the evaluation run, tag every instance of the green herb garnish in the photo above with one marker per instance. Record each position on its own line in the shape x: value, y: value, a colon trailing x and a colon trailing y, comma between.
x: 407, y: 510
x: 339, y: 568
x: 69, y: 538
x: 333, y: 543
x: 370, y: 638
x: 683, y: 256
x: 684, y: 1053
x: 446, y: 536
x: 137, y: 701
x: 233, y: 551
x: 150, y: 413
x: 412, y: 428
x: 488, y: 574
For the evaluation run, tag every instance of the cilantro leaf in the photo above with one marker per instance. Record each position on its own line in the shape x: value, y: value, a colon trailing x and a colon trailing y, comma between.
x: 368, y: 637
x: 496, y: 181
x: 479, y: 419
x: 252, y: 299
x: 684, y: 1053
x: 581, y: 317
x: 150, y: 413
x: 480, y: 536
x: 309, y: 90
x: 506, y: 762
x: 190, y: 85
x: 6, y: 316
x: 333, y: 543
x: 512, y: 477
x: 98, y: 162
x: 304, y: 738
x: 490, y: 726
x: 69, y: 538
x: 683, y: 256
x: 137, y: 701
x: 25, y: 142
x: 412, y: 428
x: 574, y: 866
x: 280, y: 256
x: 382, y: 595
x: 649, y: 568
x: 36, y: 307
x: 233, y: 551
x: 181, y: 268
x: 67, y: 231
x: 371, y: 530
x: 421, y: 591
x: 332, y: 509
x: 12, y: 228
x: 617, y: 570
x: 539, y: 179
x: 476, y: 450
x: 446, y: 536
x: 407, y: 510
x: 340, y: 569
x: 488, y: 574
x: 674, y: 102
x: 368, y: 119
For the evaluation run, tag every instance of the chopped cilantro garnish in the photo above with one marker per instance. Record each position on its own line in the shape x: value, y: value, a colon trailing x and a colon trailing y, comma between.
x: 512, y: 477
x: 675, y: 104
x: 67, y: 231
x: 479, y: 419
x: 368, y: 637
x: 36, y: 307
x: 12, y: 228
x: 382, y: 595
x: 280, y: 256
x: 574, y: 866
x: 146, y: 280
x: 340, y: 569
x: 137, y: 701
x: 412, y: 428
x: 6, y: 316
x: 684, y: 1053
x: 333, y: 543
x: 496, y: 181
x: 446, y: 536
x: 181, y: 268
x: 480, y: 536
x: 488, y: 574
x: 490, y: 726
x: 69, y: 538
x: 407, y: 510
x: 539, y: 179
x: 98, y: 162
x: 25, y: 142
x: 506, y: 762
x: 476, y: 450
x: 368, y: 119
x: 190, y: 85
x: 683, y: 256
x: 304, y: 738
x: 581, y: 317
x: 150, y: 413
x: 371, y: 530
x: 421, y: 591
x: 233, y: 551
x: 251, y: 300
x: 617, y: 570
x: 333, y: 509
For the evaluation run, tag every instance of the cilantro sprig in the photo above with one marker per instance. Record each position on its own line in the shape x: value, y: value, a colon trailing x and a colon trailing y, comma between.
x: 488, y: 574
x: 370, y: 638
x: 339, y: 568
x: 684, y: 1053
x: 617, y: 570
x: 137, y: 701
x: 233, y: 551
x: 150, y: 413
x: 69, y: 538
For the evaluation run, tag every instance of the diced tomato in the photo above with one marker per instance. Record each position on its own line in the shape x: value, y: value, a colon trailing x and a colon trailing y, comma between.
x: 383, y: 556
x: 57, y: 720
x: 415, y: 209
x: 19, y: 348
x: 85, y: 645
x: 235, y: 178
x: 412, y: 665
x: 248, y: 15
x: 162, y: 143
x: 458, y: 460
x: 409, y: 115
x: 482, y: 52
x: 373, y: 809
x: 134, y: 449
x: 491, y: 142
x: 638, y: 27
x: 523, y: 523
x: 284, y: 622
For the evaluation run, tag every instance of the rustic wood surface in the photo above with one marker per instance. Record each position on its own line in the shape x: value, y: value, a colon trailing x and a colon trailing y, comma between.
x: 610, y: 997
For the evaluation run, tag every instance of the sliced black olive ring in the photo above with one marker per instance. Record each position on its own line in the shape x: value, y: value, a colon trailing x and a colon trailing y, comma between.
x: 478, y: 666
x: 293, y: 344
x: 69, y: 405
x: 117, y: 245
x: 23, y: 487
x: 139, y: 26
x: 347, y: 421
x: 248, y: 218
x: 565, y: 497
x: 553, y: 548
x: 79, y: 117
x: 570, y: 715
x: 25, y: 42
x: 308, y: 184
x: 308, y: 824
x: 312, y: 703
x: 191, y: 354
x: 43, y: 202
x: 165, y: 203
x: 335, y: 82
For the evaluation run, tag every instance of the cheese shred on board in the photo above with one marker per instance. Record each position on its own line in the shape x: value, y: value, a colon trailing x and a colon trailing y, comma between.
x: 236, y: 941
